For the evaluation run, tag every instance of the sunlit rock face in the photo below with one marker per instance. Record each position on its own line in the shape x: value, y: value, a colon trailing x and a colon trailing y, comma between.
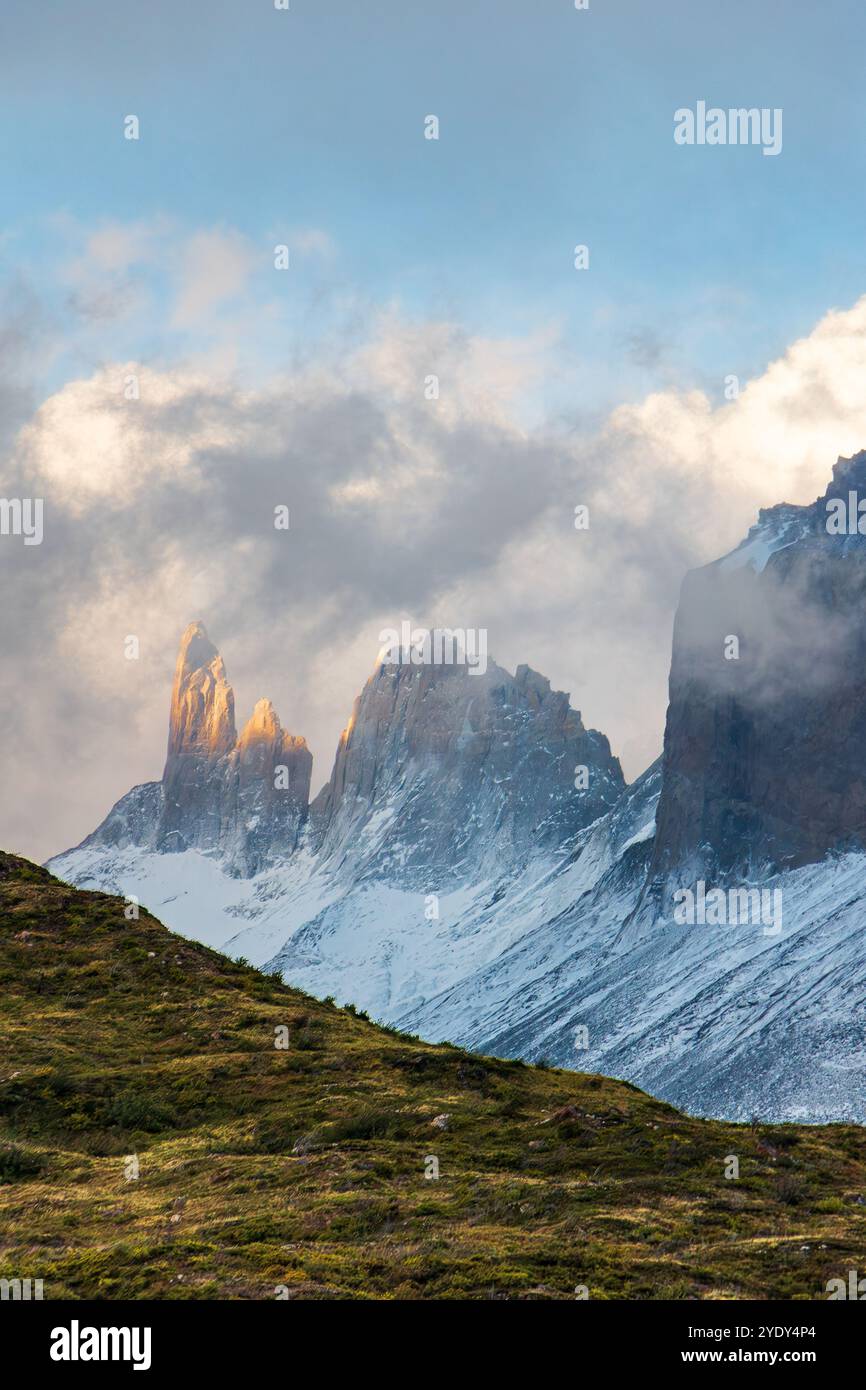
x: 444, y: 775
x: 202, y: 718
x: 765, y: 747
x: 271, y: 772
x: 197, y: 783
x: 244, y: 798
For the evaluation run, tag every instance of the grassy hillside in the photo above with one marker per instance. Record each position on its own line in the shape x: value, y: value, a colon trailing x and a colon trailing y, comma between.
x: 304, y: 1167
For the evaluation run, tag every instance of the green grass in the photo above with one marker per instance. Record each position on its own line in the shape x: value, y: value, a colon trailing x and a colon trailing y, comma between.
x: 304, y: 1168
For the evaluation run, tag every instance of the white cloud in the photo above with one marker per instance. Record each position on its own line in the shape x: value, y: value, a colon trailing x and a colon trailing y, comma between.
x: 215, y: 267
x: 88, y: 443
x: 116, y: 246
x: 672, y: 483
x: 776, y: 442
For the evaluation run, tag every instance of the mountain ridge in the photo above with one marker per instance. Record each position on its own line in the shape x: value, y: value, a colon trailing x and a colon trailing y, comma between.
x: 457, y: 877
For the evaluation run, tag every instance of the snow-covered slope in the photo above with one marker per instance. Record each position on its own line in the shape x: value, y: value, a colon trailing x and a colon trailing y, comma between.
x: 721, y: 1021
x: 377, y: 947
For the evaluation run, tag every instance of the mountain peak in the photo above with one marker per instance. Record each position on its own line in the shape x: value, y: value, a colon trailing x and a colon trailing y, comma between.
x: 517, y: 774
x: 202, y: 716
x: 502, y: 752
x: 218, y: 790
x: 263, y: 723
x: 196, y: 651
x: 848, y: 472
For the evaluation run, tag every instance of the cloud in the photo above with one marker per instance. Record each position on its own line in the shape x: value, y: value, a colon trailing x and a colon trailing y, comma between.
x: 116, y: 246
x: 777, y: 440
x: 672, y: 482
x: 646, y: 348
x: 453, y: 510
x: 106, y: 440
x: 104, y: 275
x: 215, y: 267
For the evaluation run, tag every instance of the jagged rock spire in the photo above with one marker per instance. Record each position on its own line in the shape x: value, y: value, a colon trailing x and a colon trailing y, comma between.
x: 246, y: 797
x: 202, y: 715
x: 455, y: 769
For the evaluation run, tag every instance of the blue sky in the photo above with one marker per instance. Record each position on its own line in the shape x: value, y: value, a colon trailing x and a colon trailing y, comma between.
x: 556, y: 128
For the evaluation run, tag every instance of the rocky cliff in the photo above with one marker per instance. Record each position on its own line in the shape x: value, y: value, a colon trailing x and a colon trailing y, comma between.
x: 764, y: 762
x: 461, y: 772
x: 244, y: 798
x: 439, y: 775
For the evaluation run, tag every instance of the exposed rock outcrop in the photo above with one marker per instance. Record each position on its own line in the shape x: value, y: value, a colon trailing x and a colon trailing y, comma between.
x: 462, y: 773
x: 198, y: 788
x: 441, y: 775
x: 765, y: 746
x: 272, y: 770
x: 244, y: 799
